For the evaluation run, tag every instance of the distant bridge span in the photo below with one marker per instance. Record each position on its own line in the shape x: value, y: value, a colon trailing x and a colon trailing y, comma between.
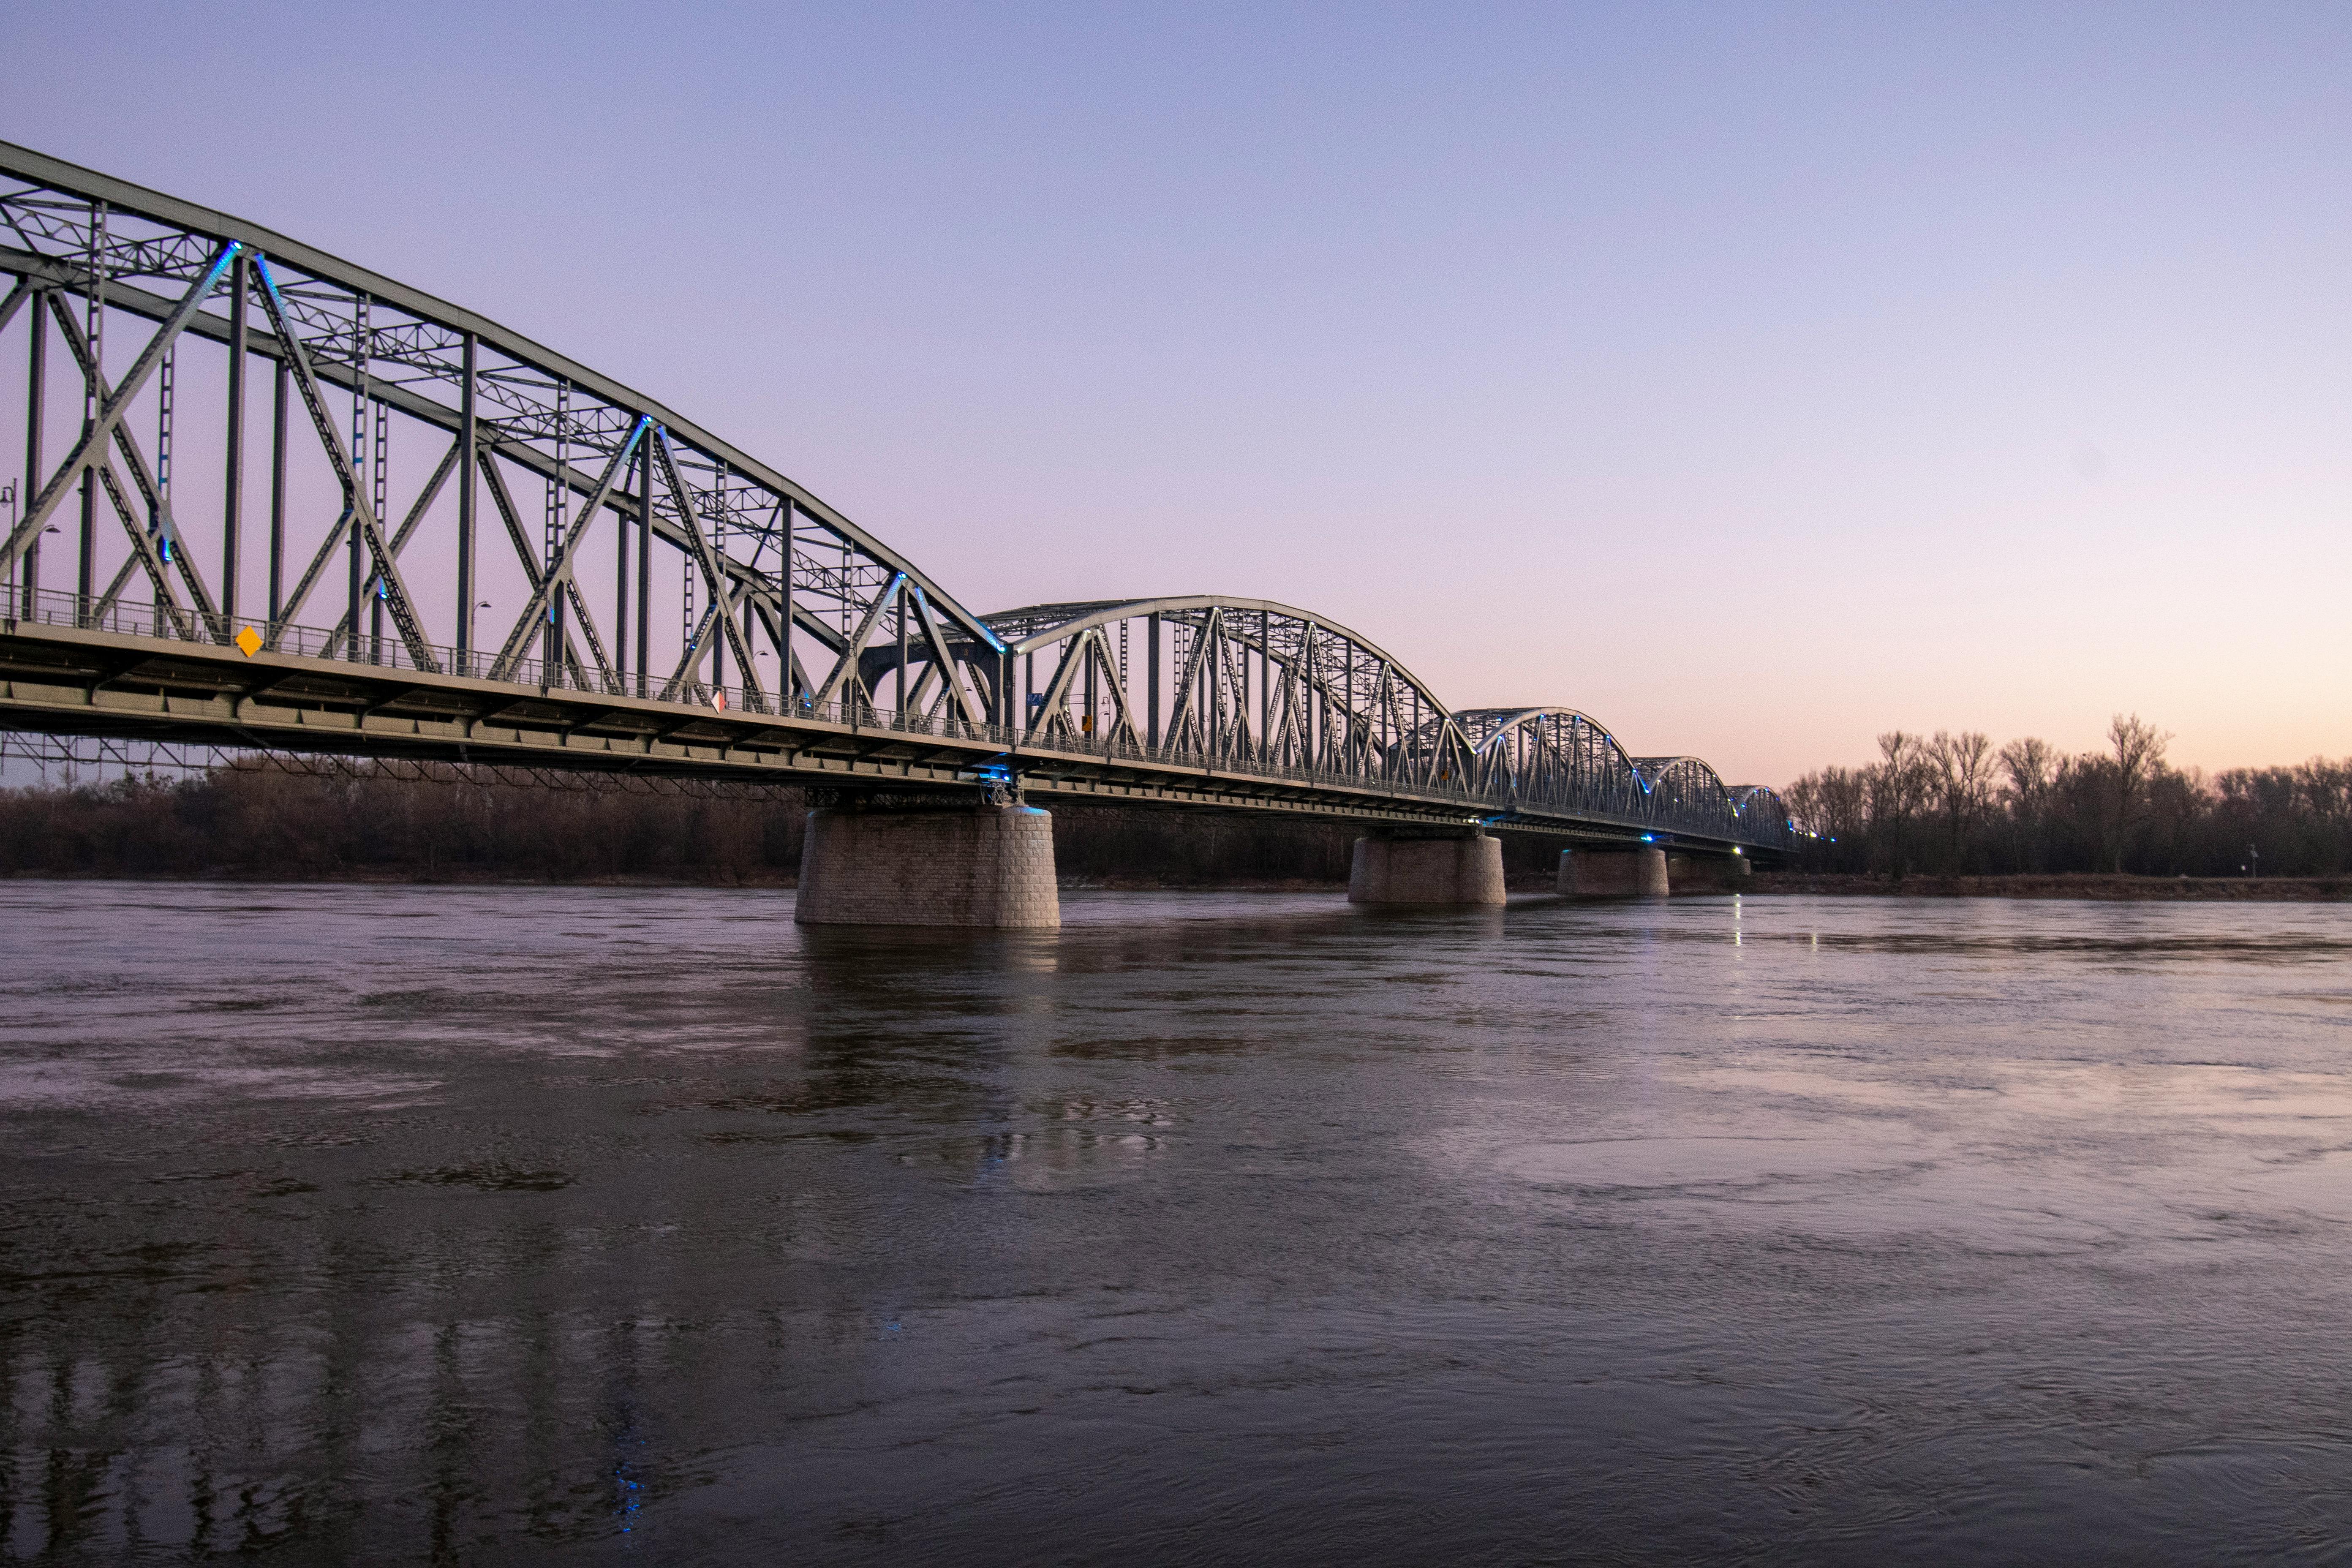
x: 269, y: 500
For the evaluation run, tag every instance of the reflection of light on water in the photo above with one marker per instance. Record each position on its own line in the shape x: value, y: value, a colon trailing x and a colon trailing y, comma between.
x: 628, y: 1485
x: 1036, y: 1160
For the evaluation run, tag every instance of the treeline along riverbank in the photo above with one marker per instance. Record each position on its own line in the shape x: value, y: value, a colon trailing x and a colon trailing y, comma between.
x: 1957, y: 806
x: 1948, y: 815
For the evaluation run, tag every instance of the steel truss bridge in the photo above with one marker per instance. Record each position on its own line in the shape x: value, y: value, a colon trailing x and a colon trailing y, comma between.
x: 470, y: 549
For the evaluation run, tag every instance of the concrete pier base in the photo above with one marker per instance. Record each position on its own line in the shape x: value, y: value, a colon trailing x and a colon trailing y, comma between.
x: 1613, y: 873
x: 990, y: 866
x: 1706, y: 873
x: 1464, y: 870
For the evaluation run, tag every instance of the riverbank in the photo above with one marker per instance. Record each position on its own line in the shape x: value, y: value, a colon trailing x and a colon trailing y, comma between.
x: 2071, y: 885
x: 1764, y: 884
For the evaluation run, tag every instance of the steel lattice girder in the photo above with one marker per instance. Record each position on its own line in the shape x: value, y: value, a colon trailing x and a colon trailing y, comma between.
x: 1189, y: 700
x: 76, y: 232
x: 1330, y: 700
x: 1324, y: 697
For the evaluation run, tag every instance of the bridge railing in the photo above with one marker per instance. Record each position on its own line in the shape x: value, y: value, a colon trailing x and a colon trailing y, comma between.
x: 169, y: 623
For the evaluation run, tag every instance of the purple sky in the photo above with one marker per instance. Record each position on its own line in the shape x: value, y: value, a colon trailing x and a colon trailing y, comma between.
x: 1754, y: 378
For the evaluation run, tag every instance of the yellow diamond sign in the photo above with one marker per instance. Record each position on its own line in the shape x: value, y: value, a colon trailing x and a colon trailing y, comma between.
x: 249, y: 640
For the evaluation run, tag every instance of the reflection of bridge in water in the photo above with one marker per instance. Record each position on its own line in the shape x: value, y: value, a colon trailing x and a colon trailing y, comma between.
x: 208, y: 406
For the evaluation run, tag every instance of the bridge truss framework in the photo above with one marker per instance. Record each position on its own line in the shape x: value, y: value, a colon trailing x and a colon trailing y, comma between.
x: 678, y: 609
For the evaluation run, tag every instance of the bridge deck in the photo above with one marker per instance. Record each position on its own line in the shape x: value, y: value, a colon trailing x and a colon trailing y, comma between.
x: 68, y: 680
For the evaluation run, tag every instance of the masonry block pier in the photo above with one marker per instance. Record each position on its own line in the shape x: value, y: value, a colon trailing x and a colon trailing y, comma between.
x: 1708, y: 873
x: 1636, y: 873
x: 888, y: 862
x: 1414, y: 869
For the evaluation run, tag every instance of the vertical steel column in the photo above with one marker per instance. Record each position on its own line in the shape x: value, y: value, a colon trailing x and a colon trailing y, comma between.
x: 382, y: 497
x: 559, y: 497
x: 785, y: 680
x: 166, y: 374
x: 1322, y: 705
x: 1302, y: 693
x: 1086, y: 651
x: 233, y: 470
x: 1264, y: 685
x: 86, y: 552
x: 278, y: 401
x: 361, y: 345
x: 620, y: 596
x: 689, y: 646
x: 904, y: 589
x: 1211, y: 696
x: 1244, y: 740
x: 1347, y: 709
x: 719, y: 617
x: 1311, y: 716
x: 646, y: 564
x: 469, y: 459
x: 37, y: 372
x: 94, y: 333
x: 1151, y: 664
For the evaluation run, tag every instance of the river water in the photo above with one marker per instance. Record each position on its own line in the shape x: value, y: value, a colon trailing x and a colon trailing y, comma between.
x: 518, y: 1224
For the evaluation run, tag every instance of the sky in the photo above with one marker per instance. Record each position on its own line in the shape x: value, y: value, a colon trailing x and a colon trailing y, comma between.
x: 1754, y: 378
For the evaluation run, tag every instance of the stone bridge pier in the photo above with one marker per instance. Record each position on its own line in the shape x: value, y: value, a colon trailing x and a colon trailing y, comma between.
x: 1644, y: 871
x: 1637, y: 871
x: 1405, y: 865
x: 870, y: 859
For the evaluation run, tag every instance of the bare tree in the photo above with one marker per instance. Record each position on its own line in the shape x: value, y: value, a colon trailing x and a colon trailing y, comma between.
x: 2092, y: 812
x: 2032, y: 765
x: 2326, y: 790
x: 1833, y: 805
x: 2139, y: 748
x: 1898, y: 787
x: 1959, y: 770
x: 1806, y: 807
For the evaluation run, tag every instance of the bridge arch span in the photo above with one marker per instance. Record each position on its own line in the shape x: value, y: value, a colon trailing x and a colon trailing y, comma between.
x: 1548, y: 756
x: 416, y: 421
x: 481, y: 550
x: 1687, y: 792
x: 1763, y: 814
x: 1229, y: 681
